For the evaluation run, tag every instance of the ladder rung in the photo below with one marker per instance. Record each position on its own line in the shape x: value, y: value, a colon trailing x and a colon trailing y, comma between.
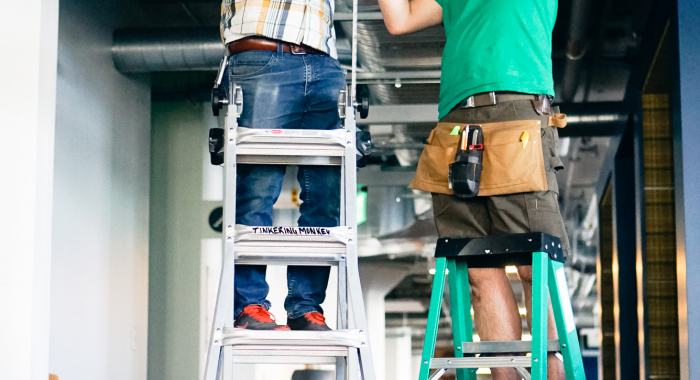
x: 334, y: 338
x: 289, y: 245
x: 288, y: 160
x: 288, y: 258
x: 482, y: 362
x: 311, y: 147
x: 290, y: 236
x: 257, y: 359
x: 495, y: 347
x: 317, y: 137
x: 309, y: 351
x: 290, y: 248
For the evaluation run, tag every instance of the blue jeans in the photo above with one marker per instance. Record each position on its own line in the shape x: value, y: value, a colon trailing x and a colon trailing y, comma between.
x: 286, y: 91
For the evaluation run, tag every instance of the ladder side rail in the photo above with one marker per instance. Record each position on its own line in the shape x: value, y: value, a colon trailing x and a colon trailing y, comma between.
x: 540, y: 306
x: 352, y: 263
x: 431, y: 329
x: 353, y: 75
x: 341, y: 363
x: 564, y: 319
x: 460, y: 309
x: 230, y: 181
x: 219, y: 358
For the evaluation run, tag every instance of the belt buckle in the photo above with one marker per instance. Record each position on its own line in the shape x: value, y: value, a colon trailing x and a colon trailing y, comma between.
x: 470, y: 103
x: 297, y: 49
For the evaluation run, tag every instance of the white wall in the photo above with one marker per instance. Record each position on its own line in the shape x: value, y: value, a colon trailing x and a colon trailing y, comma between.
x: 178, y: 224
x: 398, y: 354
x: 28, y: 33
x: 99, y: 283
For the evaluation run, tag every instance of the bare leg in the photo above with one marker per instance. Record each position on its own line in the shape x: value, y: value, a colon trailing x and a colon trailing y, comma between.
x: 495, y: 311
x: 555, y: 367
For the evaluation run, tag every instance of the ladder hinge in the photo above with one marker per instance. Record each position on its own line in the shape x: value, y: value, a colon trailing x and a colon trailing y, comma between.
x: 342, y: 103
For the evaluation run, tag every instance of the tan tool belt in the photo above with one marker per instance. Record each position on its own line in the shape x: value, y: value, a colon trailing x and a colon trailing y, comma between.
x: 513, y: 160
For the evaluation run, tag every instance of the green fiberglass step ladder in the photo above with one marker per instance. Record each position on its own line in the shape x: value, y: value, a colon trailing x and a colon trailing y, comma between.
x: 545, y: 254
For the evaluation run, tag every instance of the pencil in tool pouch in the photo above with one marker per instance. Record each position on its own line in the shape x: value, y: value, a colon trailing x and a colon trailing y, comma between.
x: 465, y: 173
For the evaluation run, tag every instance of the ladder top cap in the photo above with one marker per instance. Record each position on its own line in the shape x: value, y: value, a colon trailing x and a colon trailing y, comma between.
x: 500, y: 250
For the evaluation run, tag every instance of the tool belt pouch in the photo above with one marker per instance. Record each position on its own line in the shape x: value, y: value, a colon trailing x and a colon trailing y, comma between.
x: 464, y: 175
x: 513, y: 159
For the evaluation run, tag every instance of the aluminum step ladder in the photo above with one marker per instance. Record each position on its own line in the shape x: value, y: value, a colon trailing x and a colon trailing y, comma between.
x: 544, y: 253
x: 348, y: 346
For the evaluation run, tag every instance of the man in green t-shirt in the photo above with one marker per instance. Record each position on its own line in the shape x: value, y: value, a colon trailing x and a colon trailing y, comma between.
x: 496, y: 67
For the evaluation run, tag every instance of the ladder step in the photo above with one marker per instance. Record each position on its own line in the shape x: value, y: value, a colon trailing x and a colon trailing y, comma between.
x: 291, y: 339
x: 289, y: 245
x: 288, y: 354
x: 481, y: 362
x: 496, y: 347
x: 284, y: 236
x: 291, y: 146
x: 253, y: 158
x: 240, y: 357
x: 289, y: 258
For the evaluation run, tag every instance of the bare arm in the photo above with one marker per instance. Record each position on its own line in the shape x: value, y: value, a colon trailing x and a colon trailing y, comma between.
x: 404, y: 16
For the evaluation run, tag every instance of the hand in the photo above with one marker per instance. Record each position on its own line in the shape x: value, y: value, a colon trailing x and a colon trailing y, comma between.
x: 404, y: 16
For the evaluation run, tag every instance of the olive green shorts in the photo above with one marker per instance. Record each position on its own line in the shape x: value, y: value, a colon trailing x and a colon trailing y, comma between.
x: 511, y: 213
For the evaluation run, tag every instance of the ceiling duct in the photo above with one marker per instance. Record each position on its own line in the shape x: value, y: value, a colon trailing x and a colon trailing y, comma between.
x: 167, y: 49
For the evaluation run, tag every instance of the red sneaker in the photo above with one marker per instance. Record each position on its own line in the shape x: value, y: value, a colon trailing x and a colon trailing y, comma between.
x: 310, y: 321
x: 256, y: 317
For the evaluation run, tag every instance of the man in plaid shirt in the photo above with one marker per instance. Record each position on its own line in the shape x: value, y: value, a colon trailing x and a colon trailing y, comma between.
x: 283, y: 55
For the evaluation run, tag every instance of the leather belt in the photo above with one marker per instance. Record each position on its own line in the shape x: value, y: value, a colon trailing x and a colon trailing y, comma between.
x: 542, y: 103
x: 261, y: 43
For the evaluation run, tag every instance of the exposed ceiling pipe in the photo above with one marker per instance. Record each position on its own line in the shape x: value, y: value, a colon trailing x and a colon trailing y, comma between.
x: 576, y: 48
x: 166, y: 49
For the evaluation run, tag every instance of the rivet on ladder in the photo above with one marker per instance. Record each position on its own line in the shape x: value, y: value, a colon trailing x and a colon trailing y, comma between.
x: 563, y: 346
x: 449, y: 362
x: 535, y: 360
x: 425, y: 362
x: 546, y: 247
x: 512, y: 360
x: 459, y: 348
x: 342, y: 257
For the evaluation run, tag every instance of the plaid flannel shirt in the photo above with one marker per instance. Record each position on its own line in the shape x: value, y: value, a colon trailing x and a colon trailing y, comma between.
x: 308, y: 22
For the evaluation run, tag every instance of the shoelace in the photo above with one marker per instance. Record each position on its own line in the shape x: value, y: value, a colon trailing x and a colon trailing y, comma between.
x: 259, y: 313
x: 316, y: 317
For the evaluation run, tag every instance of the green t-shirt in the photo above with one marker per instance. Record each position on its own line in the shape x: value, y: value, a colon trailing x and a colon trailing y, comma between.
x: 496, y: 45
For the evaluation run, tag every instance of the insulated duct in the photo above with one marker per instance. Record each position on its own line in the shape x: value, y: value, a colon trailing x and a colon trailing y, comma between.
x: 167, y: 49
